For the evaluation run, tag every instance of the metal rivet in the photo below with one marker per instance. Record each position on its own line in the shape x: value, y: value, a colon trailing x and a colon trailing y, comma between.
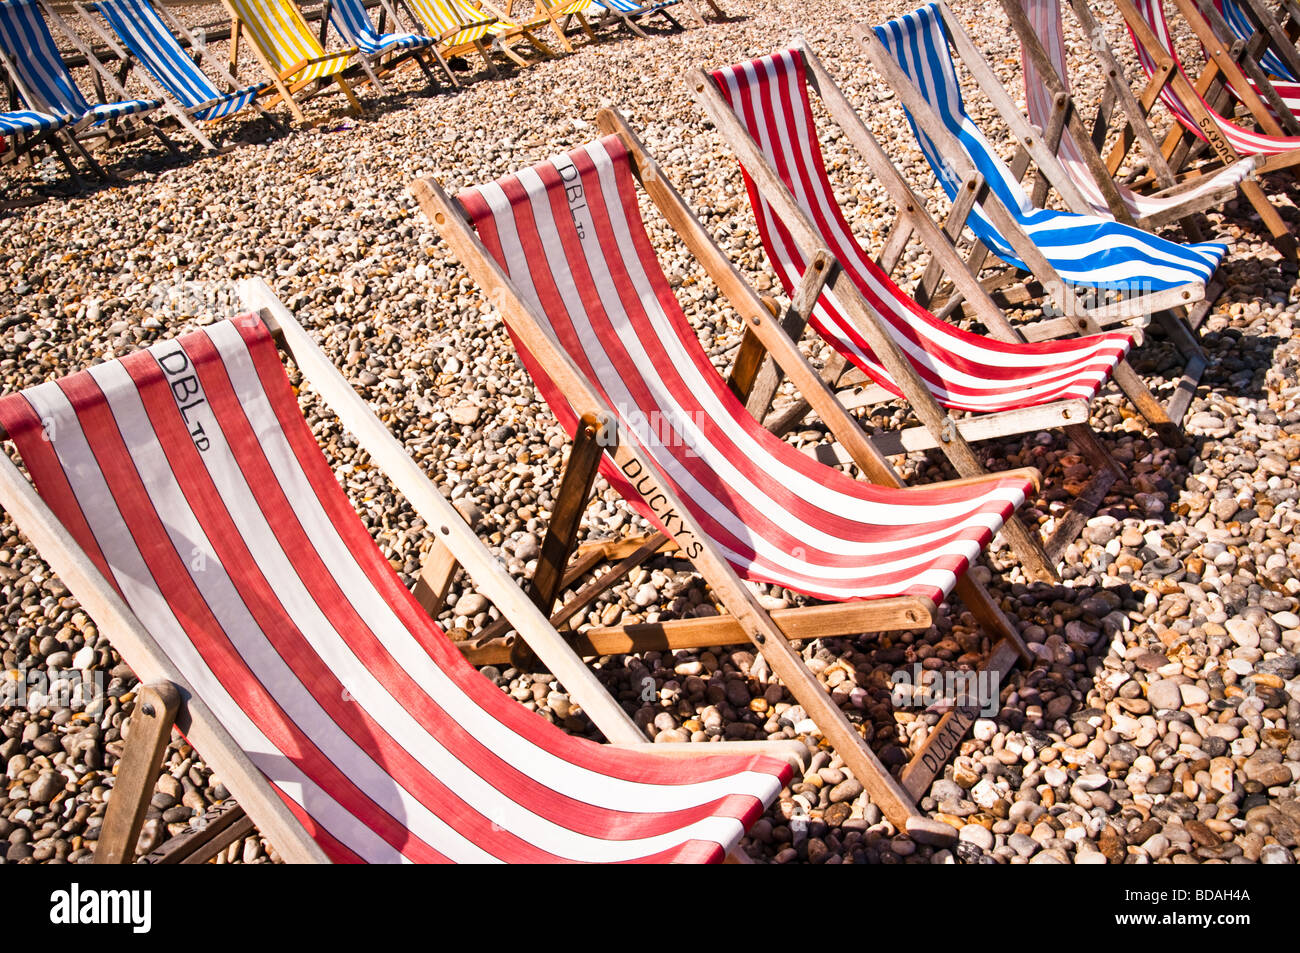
x: 444, y: 530
x: 147, y: 710
x: 439, y: 217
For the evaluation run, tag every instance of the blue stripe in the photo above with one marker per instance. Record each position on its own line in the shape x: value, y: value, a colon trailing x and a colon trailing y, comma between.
x: 28, y: 43
x: 1085, y: 250
x: 28, y: 121
x: 353, y: 24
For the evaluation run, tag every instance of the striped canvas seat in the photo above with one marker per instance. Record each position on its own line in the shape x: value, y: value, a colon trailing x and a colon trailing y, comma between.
x: 1243, y: 140
x: 1085, y: 250
x: 27, y: 121
x: 569, y: 234
x: 278, y: 29
x: 1045, y: 18
x: 629, y: 7
x: 965, y: 371
x: 189, y: 477
x: 144, y: 35
x: 47, y: 84
x: 456, y: 23
x: 353, y: 23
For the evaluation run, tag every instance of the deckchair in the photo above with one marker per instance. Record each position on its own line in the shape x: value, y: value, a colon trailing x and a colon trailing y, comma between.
x: 1197, y: 113
x: 1000, y: 384
x: 561, y: 251
x: 145, y: 34
x: 293, y: 58
x: 1082, y: 251
x: 43, y: 83
x: 461, y: 28
x: 626, y: 13
x: 183, y: 499
x: 1053, y: 111
x: 380, y: 52
x: 1068, y: 252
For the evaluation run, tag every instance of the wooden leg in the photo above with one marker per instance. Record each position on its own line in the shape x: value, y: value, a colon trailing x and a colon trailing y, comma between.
x: 151, y: 728
x: 942, y: 743
x: 346, y: 87
x: 566, y: 517
x: 436, y: 574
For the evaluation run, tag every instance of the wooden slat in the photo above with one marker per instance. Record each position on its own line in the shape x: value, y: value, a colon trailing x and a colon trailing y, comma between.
x: 812, y: 622
x: 137, y: 772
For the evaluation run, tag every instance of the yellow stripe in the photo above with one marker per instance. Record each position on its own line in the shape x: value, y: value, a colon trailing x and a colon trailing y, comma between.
x: 278, y: 29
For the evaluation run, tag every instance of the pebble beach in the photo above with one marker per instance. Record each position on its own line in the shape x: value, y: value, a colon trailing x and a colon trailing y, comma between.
x: 1160, y: 722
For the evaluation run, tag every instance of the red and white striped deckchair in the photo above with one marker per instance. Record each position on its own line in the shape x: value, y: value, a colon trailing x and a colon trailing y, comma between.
x: 185, y: 501
x: 561, y: 249
x: 1049, y: 100
x: 1200, y: 120
x: 763, y: 111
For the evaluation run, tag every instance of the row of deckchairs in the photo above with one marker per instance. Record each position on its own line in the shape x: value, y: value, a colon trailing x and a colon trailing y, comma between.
x: 211, y: 542
x: 46, y: 108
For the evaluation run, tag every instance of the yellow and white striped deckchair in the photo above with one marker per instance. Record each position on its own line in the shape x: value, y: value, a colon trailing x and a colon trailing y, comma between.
x: 287, y: 49
x: 460, y: 27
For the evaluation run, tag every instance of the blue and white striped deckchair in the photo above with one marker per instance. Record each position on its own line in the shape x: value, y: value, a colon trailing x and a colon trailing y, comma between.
x: 627, y: 12
x: 42, y: 80
x: 1085, y: 251
x: 350, y: 19
x: 187, y: 92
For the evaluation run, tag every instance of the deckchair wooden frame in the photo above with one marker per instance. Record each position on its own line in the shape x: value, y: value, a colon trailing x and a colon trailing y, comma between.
x: 1237, y: 59
x: 184, y: 116
x: 166, y: 700
x: 282, y: 79
x: 747, y: 618
x: 1078, y: 317
x: 1068, y: 118
x: 756, y: 386
x: 378, y: 65
x: 1179, y: 144
x: 1281, y: 31
x: 562, y: 30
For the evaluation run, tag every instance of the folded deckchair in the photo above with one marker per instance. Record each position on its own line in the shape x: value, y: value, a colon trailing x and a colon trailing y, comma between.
x: 293, y: 58
x: 998, y: 384
x: 145, y: 34
x: 561, y: 250
x: 183, y: 499
x: 43, y: 83
x: 380, y: 52
x: 460, y: 27
x: 1197, y: 109
x: 1053, y: 111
